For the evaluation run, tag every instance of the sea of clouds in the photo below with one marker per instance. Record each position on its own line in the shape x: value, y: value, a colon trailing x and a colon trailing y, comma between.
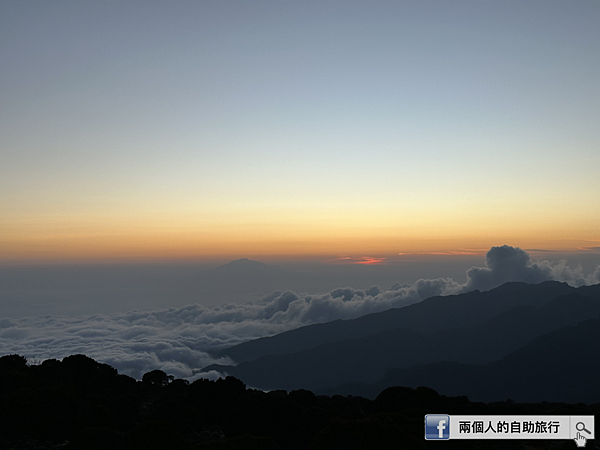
x: 180, y: 340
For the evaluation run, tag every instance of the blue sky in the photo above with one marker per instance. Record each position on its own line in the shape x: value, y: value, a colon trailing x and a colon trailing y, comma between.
x: 203, y: 128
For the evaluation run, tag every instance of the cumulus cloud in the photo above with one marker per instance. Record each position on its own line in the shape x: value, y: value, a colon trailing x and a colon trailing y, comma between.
x: 180, y: 340
x: 505, y: 264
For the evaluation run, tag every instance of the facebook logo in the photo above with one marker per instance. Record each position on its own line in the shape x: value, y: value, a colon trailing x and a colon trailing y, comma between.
x: 437, y: 426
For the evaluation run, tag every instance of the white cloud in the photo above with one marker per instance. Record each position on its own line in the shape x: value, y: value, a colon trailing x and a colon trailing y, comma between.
x: 505, y: 264
x: 179, y: 340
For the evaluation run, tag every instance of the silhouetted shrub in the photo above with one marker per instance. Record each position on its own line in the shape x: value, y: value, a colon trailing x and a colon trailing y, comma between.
x: 398, y: 398
x: 304, y: 397
x: 246, y: 442
x: 13, y: 363
x: 90, y: 406
x: 156, y: 435
x: 377, y: 432
x: 157, y: 378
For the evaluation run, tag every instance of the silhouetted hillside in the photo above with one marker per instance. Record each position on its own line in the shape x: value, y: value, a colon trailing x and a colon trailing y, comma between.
x: 78, y: 403
x: 433, y: 314
x: 367, y: 359
x: 561, y: 366
x: 472, y: 328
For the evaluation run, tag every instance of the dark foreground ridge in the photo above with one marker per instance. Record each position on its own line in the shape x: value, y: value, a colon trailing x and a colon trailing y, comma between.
x: 82, y: 404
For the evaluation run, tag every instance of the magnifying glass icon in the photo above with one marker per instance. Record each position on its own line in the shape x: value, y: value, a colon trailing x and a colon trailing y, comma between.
x: 581, y: 427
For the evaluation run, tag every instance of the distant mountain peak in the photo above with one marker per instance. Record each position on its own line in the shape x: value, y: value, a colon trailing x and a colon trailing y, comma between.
x: 245, y: 266
x: 244, y: 262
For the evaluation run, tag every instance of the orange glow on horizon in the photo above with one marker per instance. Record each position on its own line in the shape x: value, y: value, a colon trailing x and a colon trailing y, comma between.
x: 149, y: 247
x: 155, y: 239
x: 363, y: 260
x: 369, y: 261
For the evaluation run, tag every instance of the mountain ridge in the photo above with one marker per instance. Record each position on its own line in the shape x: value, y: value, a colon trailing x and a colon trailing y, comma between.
x: 418, y: 316
x: 534, y: 310
x: 559, y: 366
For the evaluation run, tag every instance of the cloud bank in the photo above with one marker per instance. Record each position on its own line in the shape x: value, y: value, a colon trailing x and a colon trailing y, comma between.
x: 179, y: 340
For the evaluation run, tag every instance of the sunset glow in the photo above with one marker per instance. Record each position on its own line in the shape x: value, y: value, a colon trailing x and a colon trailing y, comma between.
x: 307, y: 130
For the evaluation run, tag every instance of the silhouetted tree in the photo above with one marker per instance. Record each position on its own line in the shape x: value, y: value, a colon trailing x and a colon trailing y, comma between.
x: 82, y: 404
x: 157, y: 378
x: 13, y: 363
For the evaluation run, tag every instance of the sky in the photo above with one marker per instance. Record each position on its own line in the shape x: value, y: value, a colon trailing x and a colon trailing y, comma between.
x: 215, y: 130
